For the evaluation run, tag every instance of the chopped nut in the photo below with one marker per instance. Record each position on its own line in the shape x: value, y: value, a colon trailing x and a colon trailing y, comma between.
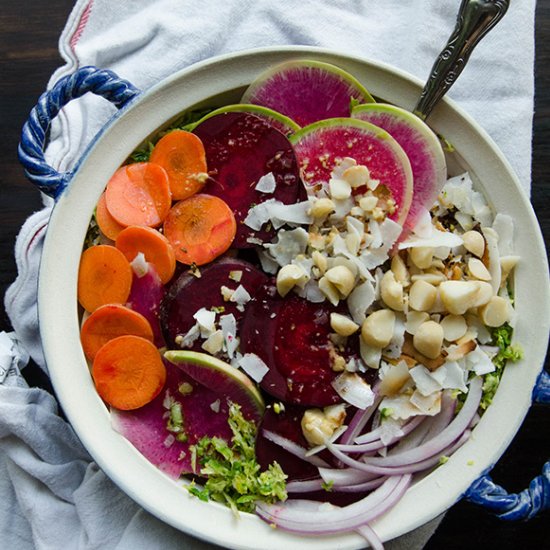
x: 356, y: 175
x: 432, y: 277
x: 431, y: 364
x: 421, y: 256
x: 477, y: 270
x: 288, y: 277
x: 458, y: 296
x: 400, y: 271
x: 429, y: 339
x: 319, y: 260
x: 474, y: 243
x: 395, y: 378
x: 329, y: 290
x: 368, y: 203
x: 342, y: 279
x: 318, y: 425
x: 377, y: 329
x: 422, y: 296
x: 485, y: 293
x: 339, y: 189
x: 454, y: 327
x: 343, y: 325
x: 391, y: 291
x: 321, y: 208
x: 496, y: 312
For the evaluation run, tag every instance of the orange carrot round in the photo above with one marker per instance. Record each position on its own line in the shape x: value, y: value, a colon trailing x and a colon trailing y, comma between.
x: 110, y: 321
x: 104, y: 277
x: 153, y: 245
x: 107, y: 224
x: 139, y: 194
x: 182, y: 155
x: 128, y: 372
x: 200, y: 228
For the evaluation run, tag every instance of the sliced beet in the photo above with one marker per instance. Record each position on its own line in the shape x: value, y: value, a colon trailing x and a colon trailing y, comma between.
x: 306, y: 91
x: 188, y: 294
x: 146, y: 428
x: 279, y: 121
x: 291, y: 336
x: 145, y: 297
x: 240, y: 149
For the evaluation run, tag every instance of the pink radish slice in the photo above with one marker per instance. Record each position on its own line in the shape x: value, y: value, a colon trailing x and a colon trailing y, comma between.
x: 146, y: 428
x: 240, y: 149
x: 420, y: 144
x: 226, y: 381
x: 319, y: 148
x: 306, y: 91
x: 145, y: 297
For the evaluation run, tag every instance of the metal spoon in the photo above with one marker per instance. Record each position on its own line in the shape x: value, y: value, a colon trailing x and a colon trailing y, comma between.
x: 475, y: 19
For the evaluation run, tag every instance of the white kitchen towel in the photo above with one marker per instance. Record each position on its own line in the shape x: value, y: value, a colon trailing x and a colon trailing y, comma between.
x: 52, y: 494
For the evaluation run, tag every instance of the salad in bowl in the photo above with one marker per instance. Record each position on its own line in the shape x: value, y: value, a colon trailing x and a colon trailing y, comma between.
x: 292, y: 308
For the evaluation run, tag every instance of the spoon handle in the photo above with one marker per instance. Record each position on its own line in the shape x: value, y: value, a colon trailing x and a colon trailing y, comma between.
x: 475, y: 19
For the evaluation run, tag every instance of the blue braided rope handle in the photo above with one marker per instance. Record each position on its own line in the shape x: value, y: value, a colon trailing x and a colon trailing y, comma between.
x: 531, y: 501
x: 33, y: 138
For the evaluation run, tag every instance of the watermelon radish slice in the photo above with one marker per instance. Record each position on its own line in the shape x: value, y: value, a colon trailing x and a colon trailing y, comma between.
x: 320, y: 146
x: 146, y: 295
x: 281, y: 122
x: 147, y: 428
x: 240, y: 149
x: 421, y: 146
x: 188, y: 294
x: 306, y: 91
x: 227, y: 381
x: 291, y: 336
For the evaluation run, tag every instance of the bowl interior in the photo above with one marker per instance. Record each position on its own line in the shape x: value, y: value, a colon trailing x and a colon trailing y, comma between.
x: 214, y: 83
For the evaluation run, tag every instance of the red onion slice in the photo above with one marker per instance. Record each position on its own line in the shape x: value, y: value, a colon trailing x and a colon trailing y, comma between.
x: 368, y: 533
x: 323, y: 521
x: 294, y: 448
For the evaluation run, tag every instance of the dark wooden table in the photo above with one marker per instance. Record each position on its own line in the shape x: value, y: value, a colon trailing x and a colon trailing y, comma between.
x: 29, y: 31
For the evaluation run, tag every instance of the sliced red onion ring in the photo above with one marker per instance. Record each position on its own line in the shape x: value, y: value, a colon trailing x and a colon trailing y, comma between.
x: 368, y: 533
x: 336, y: 520
x: 436, y: 444
x: 360, y: 419
x: 307, y: 486
x: 294, y: 448
x: 344, y: 476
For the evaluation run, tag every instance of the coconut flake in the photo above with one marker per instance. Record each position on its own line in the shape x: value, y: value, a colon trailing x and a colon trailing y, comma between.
x: 228, y: 324
x: 258, y: 215
x: 266, y: 184
x: 253, y: 366
x: 393, y: 350
x: 429, y: 405
x: 215, y: 406
x: 504, y: 227
x: 206, y: 320
x: 451, y: 376
x: 370, y: 355
x: 281, y: 214
x: 390, y: 429
x: 190, y: 337
x: 140, y: 267
x: 423, y: 227
x: 354, y: 390
x: 491, y: 238
x: 240, y: 296
x: 478, y: 361
x: 360, y: 299
x: 437, y: 238
x: 289, y: 244
x: 426, y: 384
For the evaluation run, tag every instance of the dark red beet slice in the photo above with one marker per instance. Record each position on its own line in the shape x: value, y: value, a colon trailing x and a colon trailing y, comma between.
x: 145, y: 297
x: 291, y: 335
x: 146, y: 428
x: 188, y: 294
x: 240, y: 149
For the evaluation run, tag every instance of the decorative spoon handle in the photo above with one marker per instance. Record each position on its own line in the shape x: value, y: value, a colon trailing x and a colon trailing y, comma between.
x: 475, y: 19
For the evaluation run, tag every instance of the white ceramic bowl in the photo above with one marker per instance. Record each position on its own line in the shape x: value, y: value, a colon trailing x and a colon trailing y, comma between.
x: 219, y: 81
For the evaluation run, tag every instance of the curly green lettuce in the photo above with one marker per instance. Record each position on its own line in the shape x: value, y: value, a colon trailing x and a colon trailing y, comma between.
x: 232, y: 471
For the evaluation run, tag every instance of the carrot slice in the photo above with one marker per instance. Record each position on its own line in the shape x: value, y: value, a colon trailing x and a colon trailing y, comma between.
x: 183, y: 157
x: 200, y: 228
x: 153, y: 245
x: 128, y: 372
x: 110, y: 321
x: 139, y: 194
x: 107, y: 224
x: 104, y: 277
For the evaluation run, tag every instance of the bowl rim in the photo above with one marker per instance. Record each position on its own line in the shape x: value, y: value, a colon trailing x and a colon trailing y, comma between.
x: 58, y: 315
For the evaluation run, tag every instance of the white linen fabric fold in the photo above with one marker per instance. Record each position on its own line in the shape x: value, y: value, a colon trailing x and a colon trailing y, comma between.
x: 52, y: 493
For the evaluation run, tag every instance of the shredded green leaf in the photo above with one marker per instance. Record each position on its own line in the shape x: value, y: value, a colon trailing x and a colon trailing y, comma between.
x: 143, y: 153
x: 233, y: 474
x: 92, y: 235
x: 327, y: 486
x: 502, y: 337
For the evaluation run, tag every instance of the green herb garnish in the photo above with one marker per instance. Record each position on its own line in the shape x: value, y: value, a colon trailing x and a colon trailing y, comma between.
x: 234, y: 476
